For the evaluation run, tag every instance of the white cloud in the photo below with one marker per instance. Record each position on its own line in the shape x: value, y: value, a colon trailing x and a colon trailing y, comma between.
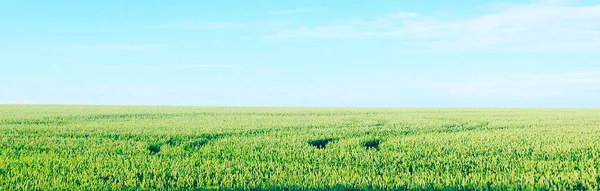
x: 536, y: 27
x: 579, y: 84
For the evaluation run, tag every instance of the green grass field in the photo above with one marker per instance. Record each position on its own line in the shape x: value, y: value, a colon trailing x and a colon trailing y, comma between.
x: 228, y: 148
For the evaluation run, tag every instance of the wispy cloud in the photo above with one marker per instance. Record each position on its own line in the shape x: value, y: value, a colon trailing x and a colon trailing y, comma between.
x: 577, y: 84
x: 543, y: 26
x: 115, y: 47
x: 292, y: 11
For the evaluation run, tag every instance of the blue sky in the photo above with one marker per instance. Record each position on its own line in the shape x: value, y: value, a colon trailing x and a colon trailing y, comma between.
x: 375, y: 53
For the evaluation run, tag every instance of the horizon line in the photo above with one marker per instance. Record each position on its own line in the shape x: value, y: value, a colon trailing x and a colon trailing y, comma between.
x: 295, y: 106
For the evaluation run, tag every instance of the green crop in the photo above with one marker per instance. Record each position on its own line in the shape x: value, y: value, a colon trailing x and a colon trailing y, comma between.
x: 230, y: 148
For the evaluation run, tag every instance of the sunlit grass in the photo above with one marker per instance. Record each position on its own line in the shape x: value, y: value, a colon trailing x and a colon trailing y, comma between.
x: 149, y: 148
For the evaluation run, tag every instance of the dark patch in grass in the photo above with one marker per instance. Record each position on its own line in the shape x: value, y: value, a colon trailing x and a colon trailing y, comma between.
x: 194, y: 144
x: 379, y: 125
x: 321, y: 143
x: 579, y: 186
x: 371, y: 144
x: 154, y: 148
x: 105, y: 178
x: 174, y: 141
x: 139, y: 176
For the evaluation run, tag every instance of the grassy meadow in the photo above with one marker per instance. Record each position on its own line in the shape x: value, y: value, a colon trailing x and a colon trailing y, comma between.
x: 44, y: 147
